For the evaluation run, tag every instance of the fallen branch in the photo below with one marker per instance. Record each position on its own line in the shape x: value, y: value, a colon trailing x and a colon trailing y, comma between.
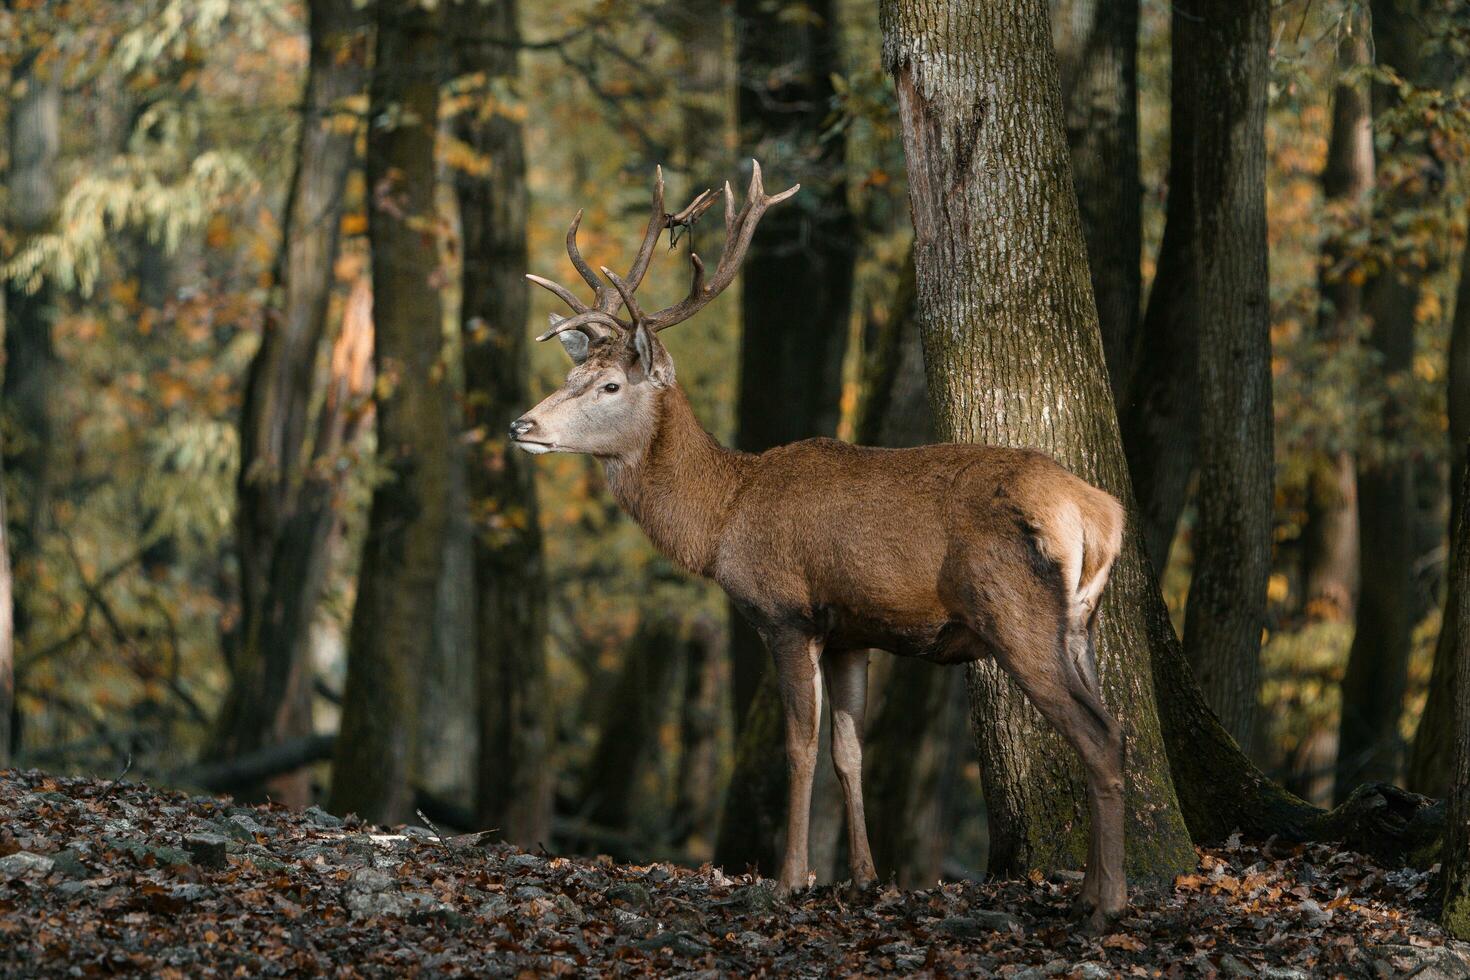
x: 252, y: 767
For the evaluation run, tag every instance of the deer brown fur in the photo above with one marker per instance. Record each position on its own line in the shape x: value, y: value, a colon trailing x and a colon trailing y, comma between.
x: 949, y: 553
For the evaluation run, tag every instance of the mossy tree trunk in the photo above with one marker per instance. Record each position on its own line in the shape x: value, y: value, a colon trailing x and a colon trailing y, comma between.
x: 1431, y: 759
x: 515, y: 780
x: 285, y: 515
x: 1006, y: 311
x: 1097, y: 50
x: 1457, y: 847
x: 1226, y: 611
x: 392, y: 625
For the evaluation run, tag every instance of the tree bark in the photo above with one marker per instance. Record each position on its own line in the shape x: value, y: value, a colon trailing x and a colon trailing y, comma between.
x: 30, y: 356
x: 285, y: 515
x: 1431, y: 760
x: 393, y: 619
x: 697, y: 795
x: 796, y: 287
x: 1097, y: 49
x: 1330, y: 535
x: 1006, y: 312
x: 1226, y: 611
x: 1159, y: 415
x: 1456, y: 916
x: 1369, y: 745
x: 515, y: 779
x: 7, y: 621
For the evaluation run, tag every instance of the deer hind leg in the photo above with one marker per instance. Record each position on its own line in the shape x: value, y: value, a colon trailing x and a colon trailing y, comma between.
x: 846, y: 675
x: 1027, y: 627
x: 800, y: 684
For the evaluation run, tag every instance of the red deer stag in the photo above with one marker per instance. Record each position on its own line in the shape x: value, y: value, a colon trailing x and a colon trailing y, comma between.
x: 950, y: 553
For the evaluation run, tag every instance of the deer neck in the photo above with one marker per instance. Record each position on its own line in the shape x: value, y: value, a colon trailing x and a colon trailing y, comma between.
x: 681, y: 487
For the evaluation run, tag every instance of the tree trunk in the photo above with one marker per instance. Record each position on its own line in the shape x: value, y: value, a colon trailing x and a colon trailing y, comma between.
x: 1330, y: 536
x: 1006, y: 310
x: 515, y: 779
x: 1097, y: 48
x: 1456, y: 916
x: 702, y: 72
x: 631, y: 715
x: 1377, y: 669
x: 285, y: 516
x: 796, y: 287
x: 1431, y: 759
x: 1226, y: 611
x: 697, y: 791
x: 30, y: 357
x: 795, y: 296
x: 1159, y: 415
x: 393, y: 620
x: 7, y: 619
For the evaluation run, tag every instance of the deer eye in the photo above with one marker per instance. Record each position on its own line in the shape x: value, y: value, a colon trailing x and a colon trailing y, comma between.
x: 610, y: 387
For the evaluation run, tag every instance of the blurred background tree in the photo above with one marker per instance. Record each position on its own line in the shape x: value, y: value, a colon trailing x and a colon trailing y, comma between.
x: 209, y: 344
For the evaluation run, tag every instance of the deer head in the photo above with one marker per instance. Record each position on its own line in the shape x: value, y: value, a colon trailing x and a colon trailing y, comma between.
x: 608, y: 404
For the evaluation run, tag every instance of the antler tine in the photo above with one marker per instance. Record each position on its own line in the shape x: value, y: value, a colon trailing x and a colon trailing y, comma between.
x: 657, y: 222
x: 575, y: 254
x: 587, y: 319
x: 693, y: 210
x: 561, y: 293
x: 626, y: 292
x: 739, y: 230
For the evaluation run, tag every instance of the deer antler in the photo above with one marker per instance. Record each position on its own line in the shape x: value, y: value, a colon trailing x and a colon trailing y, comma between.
x: 601, y: 318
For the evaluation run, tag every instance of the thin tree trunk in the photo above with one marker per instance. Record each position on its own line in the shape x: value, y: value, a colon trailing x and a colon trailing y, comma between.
x: 795, y: 295
x: 393, y: 620
x: 1159, y: 415
x: 700, y: 28
x: 7, y: 618
x: 1006, y: 310
x: 1377, y: 671
x: 515, y: 779
x: 1226, y: 611
x: 631, y: 714
x: 1330, y: 536
x: 1456, y: 915
x: 1431, y: 759
x: 284, y: 514
x: 697, y: 794
x: 30, y: 356
x: 796, y: 288
x: 1097, y: 49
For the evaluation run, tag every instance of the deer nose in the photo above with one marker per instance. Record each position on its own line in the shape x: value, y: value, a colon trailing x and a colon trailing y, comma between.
x: 520, y: 427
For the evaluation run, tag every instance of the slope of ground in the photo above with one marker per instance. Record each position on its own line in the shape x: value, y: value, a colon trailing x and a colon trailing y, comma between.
x: 102, y: 878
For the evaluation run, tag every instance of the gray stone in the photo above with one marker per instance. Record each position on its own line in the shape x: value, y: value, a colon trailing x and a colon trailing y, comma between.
x: 1423, y: 962
x: 752, y: 898
x: 1283, y: 973
x: 208, y: 850
x: 680, y: 943
x: 370, y: 880
x: 632, y: 894
x: 318, y: 817
x: 524, y: 861
x: 1312, y: 913
x: 141, y: 852
x: 23, y: 863
x: 1233, y: 966
x: 1093, y: 971
x: 69, y: 863
x: 978, y: 923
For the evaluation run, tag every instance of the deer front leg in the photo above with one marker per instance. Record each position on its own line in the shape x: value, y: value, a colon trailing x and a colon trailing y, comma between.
x: 847, y: 686
x: 801, y: 701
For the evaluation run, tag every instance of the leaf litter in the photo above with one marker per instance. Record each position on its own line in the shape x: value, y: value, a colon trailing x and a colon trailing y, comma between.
x: 98, y: 879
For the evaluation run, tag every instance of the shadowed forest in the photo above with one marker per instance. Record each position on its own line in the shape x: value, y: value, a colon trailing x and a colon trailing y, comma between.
x: 266, y: 324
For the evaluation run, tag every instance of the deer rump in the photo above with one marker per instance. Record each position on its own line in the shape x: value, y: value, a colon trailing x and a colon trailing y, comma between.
x: 918, y: 551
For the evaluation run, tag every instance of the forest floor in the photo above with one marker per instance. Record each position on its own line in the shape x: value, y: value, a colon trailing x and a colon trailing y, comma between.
x: 102, y: 877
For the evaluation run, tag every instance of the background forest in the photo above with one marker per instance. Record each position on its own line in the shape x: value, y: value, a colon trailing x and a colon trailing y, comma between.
x: 265, y: 325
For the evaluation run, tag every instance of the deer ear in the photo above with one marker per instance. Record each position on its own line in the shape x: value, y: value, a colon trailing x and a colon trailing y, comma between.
x: 653, y: 358
x: 574, y: 341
